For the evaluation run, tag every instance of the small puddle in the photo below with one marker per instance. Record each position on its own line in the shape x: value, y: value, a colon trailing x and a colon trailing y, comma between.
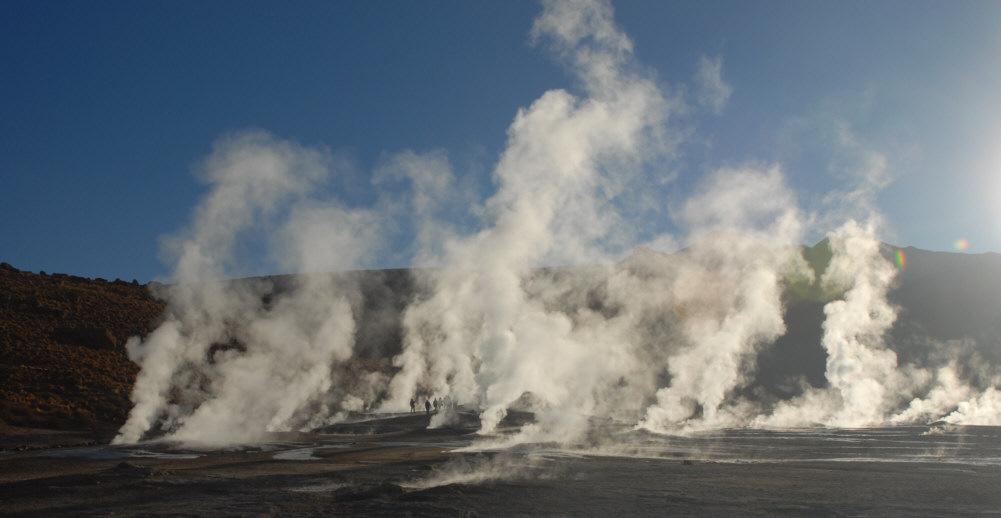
x: 297, y: 454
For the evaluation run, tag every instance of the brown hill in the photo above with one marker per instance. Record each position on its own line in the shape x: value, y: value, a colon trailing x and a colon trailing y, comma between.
x: 62, y: 348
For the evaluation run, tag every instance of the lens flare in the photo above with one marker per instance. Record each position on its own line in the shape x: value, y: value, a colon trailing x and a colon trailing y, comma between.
x: 901, y: 259
x: 961, y: 244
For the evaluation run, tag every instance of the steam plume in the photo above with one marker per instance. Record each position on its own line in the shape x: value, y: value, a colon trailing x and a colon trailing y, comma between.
x: 225, y: 366
x: 507, y: 317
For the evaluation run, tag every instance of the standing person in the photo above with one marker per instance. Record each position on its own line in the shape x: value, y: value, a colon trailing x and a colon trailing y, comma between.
x: 427, y: 406
x: 413, y: 405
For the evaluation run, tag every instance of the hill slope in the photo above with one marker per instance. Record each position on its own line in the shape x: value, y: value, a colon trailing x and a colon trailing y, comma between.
x: 62, y: 348
x: 64, y: 366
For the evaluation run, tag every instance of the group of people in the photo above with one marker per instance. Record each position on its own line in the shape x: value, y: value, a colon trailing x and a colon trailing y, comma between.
x: 438, y: 403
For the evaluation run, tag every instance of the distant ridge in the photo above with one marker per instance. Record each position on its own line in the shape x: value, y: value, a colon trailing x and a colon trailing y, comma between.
x: 62, y: 337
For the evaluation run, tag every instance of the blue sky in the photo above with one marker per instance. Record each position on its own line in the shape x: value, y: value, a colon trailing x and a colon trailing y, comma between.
x: 105, y: 109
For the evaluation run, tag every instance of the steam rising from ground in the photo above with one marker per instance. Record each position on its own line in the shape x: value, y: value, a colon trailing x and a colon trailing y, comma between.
x: 861, y: 372
x: 663, y: 342
x: 228, y: 364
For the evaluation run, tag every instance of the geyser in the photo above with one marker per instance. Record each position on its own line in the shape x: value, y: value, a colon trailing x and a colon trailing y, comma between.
x: 666, y: 342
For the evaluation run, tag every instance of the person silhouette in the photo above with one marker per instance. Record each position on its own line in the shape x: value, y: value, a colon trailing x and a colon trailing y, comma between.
x: 413, y: 405
x: 427, y: 406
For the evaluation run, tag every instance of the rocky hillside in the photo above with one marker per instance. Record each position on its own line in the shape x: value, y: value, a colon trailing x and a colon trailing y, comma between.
x: 62, y: 348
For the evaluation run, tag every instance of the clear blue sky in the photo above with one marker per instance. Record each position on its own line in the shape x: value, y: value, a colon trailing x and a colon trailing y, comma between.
x: 106, y: 107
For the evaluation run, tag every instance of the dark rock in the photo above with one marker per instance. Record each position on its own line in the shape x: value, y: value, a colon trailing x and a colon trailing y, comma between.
x: 93, y: 337
x: 133, y: 470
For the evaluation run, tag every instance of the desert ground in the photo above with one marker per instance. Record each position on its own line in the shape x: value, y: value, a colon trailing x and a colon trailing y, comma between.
x: 66, y: 387
x: 392, y: 464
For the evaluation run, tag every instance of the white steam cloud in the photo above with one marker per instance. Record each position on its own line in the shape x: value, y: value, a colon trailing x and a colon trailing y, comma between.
x: 506, y: 318
x: 729, y: 288
x: 860, y: 371
x: 227, y: 365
